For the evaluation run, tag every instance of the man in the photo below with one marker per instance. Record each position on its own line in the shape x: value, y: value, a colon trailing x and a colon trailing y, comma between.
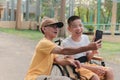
x: 46, y: 50
x: 78, y: 39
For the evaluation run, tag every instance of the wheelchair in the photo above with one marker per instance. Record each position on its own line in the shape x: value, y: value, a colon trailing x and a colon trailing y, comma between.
x: 68, y: 71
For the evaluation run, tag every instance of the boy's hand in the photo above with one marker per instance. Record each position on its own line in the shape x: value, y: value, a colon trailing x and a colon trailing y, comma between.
x: 93, y: 39
x: 95, y: 52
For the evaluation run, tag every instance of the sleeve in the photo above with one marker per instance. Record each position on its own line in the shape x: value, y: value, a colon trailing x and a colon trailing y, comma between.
x: 46, y: 47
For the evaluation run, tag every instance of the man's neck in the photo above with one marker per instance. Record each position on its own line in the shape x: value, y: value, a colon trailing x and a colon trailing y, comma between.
x: 49, y: 38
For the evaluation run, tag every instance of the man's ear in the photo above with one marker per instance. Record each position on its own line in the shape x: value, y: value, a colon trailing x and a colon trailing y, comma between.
x: 43, y: 29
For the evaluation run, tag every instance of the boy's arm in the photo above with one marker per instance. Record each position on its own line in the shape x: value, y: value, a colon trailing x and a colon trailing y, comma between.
x: 90, y: 54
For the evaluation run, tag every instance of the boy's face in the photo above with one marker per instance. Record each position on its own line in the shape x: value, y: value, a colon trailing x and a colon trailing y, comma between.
x: 76, y: 27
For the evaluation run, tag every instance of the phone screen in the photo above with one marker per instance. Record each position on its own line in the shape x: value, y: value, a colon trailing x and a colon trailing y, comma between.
x: 98, y: 35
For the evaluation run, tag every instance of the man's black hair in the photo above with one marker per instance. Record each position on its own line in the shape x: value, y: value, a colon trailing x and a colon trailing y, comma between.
x: 72, y: 18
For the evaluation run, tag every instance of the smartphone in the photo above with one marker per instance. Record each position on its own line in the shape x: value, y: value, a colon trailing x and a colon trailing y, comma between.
x: 98, y: 35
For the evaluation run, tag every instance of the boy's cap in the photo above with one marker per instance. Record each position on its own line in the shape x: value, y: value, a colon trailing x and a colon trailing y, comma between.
x: 48, y: 22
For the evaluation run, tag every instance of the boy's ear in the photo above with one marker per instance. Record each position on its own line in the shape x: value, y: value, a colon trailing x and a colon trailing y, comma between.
x: 69, y: 29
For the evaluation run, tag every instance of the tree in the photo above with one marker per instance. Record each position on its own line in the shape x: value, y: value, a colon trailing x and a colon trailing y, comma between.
x: 106, y: 11
x: 18, y: 15
x: 62, y: 18
x: 27, y: 10
x: 47, y: 8
x: 85, y: 9
x: 12, y: 17
x: 118, y: 10
x: 113, y: 19
x: 56, y: 6
x: 37, y: 10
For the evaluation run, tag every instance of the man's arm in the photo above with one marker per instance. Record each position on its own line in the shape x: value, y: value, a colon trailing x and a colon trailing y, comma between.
x: 72, y: 51
x: 67, y: 61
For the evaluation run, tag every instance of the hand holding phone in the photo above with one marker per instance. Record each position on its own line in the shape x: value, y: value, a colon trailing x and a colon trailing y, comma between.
x: 98, y: 35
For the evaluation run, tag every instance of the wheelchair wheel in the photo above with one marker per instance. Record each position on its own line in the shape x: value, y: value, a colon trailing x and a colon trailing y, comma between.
x: 57, y: 70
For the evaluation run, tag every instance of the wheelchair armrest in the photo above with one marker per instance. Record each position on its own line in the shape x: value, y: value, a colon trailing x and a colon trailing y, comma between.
x: 100, y: 59
x: 58, y: 41
x: 97, y: 58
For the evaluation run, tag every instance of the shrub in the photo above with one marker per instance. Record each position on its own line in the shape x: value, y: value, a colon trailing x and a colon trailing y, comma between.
x: 90, y: 28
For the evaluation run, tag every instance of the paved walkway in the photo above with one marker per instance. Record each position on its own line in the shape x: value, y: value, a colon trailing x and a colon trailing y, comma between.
x: 16, y: 53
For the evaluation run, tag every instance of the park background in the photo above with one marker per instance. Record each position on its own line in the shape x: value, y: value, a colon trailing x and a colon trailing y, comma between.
x: 23, y: 18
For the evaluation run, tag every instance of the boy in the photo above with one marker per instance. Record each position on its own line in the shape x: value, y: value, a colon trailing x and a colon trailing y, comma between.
x: 77, y: 39
x: 45, y: 51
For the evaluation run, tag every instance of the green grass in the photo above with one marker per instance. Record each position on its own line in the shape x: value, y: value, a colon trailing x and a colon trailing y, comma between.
x: 110, y: 47
x: 110, y: 51
x: 30, y: 34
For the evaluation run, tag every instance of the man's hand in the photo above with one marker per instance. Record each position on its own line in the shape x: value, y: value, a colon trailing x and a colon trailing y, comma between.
x: 95, y: 45
x: 74, y: 63
x: 69, y: 56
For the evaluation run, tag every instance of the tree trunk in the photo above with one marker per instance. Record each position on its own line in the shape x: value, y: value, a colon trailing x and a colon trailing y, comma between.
x: 27, y: 10
x: 18, y: 15
x: 56, y: 12
x: 62, y: 18
x: 87, y: 15
x: 37, y: 10
x: 78, y: 8
x: 12, y: 17
x: 113, y: 19
x: 95, y: 18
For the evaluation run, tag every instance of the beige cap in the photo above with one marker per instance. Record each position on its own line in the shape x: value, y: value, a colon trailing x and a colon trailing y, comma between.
x: 50, y: 21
